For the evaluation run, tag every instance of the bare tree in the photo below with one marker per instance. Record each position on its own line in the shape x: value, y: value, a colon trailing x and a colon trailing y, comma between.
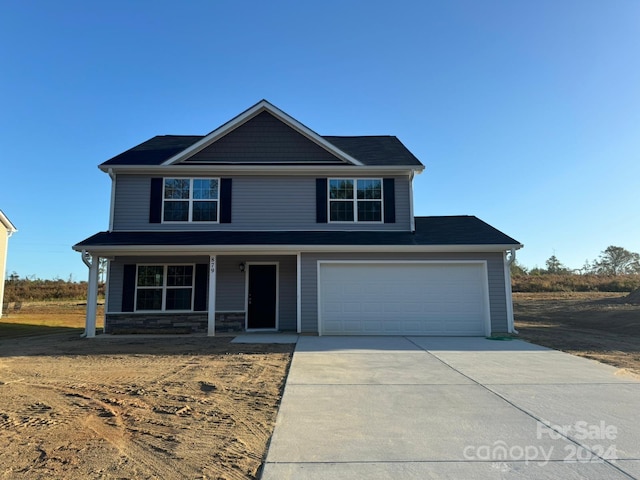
x: 102, y: 269
x: 518, y: 269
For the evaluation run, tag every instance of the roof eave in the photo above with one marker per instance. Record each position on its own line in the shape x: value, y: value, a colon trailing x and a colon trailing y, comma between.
x: 145, y: 250
x: 252, y: 169
x: 10, y: 227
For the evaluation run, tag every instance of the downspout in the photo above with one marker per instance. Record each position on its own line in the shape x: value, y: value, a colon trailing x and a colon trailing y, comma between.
x: 112, y: 206
x: 510, y: 257
x: 412, y: 218
x: 84, y: 255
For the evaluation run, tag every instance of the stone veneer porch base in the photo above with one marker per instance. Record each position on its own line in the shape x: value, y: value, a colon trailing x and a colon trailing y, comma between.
x: 126, y: 323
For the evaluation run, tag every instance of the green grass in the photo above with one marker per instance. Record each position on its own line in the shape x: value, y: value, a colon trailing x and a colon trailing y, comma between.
x: 45, y: 318
x: 18, y: 330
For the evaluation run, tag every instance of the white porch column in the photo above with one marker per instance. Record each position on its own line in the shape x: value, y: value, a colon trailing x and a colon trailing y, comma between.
x: 211, y: 312
x: 91, y: 261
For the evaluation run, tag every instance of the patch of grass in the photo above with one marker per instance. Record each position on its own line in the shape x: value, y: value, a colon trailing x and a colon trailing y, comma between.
x: 41, y: 318
x: 17, y: 330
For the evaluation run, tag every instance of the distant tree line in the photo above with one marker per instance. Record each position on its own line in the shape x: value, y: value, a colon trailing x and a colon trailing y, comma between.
x: 615, y: 270
x: 18, y: 289
x: 612, y: 261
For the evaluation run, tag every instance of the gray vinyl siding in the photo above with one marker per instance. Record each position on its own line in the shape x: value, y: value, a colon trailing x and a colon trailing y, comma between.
x: 264, y: 139
x: 231, y: 286
x: 116, y: 273
x: 258, y: 203
x: 495, y: 272
x: 230, y: 282
x: 131, y: 203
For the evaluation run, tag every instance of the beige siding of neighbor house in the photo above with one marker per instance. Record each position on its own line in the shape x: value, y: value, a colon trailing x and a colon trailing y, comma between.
x: 6, y: 229
x: 3, y: 262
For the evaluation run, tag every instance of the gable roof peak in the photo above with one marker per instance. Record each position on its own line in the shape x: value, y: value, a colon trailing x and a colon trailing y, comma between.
x: 348, y: 150
x: 262, y: 106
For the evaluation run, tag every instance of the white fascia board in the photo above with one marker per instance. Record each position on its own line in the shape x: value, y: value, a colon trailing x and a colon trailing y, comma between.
x: 143, y: 250
x: 228, y: 169
x: 10, y: 227
x: 247, y: 115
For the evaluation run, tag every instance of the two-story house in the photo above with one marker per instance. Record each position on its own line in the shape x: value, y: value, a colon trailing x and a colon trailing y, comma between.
x: 265, y: 225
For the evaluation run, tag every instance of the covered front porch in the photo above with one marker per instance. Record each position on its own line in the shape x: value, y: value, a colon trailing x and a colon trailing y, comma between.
x: 212, y: 294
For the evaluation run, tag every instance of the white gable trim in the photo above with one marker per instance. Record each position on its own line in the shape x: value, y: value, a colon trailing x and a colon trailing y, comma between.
x: 6, y: 223
x: 247, y: 115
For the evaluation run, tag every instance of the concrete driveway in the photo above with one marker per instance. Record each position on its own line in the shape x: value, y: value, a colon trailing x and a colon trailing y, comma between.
x: 472, y: 408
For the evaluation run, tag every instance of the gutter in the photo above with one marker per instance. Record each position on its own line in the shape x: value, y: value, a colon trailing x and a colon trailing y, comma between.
x: 243, y: 169
x: 107, y: 250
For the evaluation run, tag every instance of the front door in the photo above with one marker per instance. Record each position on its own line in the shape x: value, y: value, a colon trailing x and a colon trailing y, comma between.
x: 262, y: 296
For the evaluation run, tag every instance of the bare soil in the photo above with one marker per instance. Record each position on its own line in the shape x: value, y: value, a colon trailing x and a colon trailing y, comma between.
x: 600, y: 326
x: 133, y: 407
x: 196, y: 407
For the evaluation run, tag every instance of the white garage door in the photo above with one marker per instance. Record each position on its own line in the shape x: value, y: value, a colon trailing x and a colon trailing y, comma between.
x: 428, y: 298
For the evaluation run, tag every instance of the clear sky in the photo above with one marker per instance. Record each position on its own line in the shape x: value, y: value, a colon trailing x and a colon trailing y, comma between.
x: 525, y: 113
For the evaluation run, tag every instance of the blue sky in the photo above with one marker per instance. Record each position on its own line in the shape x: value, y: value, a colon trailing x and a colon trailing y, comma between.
x: 526, y: 114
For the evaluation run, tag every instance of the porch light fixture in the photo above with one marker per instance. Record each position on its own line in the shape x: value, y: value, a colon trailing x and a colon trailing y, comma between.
x: 241, y: 266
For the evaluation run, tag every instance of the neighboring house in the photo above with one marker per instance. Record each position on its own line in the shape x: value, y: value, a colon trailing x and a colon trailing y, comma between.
x: 6, y: 230
x: 265, y: 225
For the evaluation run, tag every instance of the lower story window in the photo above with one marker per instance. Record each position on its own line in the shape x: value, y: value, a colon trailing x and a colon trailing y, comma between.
x: 164, y: 287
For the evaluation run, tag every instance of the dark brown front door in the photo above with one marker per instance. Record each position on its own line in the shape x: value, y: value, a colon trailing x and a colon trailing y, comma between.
x: 261, y: 296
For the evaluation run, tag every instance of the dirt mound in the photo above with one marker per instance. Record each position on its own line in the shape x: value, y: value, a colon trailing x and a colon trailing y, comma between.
x: 633, y: 297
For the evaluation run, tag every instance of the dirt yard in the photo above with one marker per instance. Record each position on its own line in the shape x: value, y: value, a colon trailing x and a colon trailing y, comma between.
x: 599, y: 326
x: 144, y: 408
x: 196, y: 407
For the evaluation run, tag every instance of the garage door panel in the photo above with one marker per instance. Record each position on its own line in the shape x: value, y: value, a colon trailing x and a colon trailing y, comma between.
x: 404, y: 299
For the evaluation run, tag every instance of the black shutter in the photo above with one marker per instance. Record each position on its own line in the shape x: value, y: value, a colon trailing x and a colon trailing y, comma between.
x: 225, y: 200
x: 155, y: 201
x: 321, y: 200
x: 201, y: 289
x: 388, y: 187
x: 128, y: 288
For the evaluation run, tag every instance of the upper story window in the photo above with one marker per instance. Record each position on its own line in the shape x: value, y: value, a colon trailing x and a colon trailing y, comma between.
x: 164, y: 287
x: 191, y: 200
x: 355, y: 200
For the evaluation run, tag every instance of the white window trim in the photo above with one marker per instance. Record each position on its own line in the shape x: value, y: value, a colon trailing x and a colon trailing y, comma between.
x: 190, y: 200
x: 355, y: 201
x: 165, y: 287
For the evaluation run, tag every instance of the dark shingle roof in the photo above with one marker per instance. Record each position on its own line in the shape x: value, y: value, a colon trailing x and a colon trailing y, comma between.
x: 155, y: 150
x: 370, y: 150
x: 375, y: 150
x: 454, y: 230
